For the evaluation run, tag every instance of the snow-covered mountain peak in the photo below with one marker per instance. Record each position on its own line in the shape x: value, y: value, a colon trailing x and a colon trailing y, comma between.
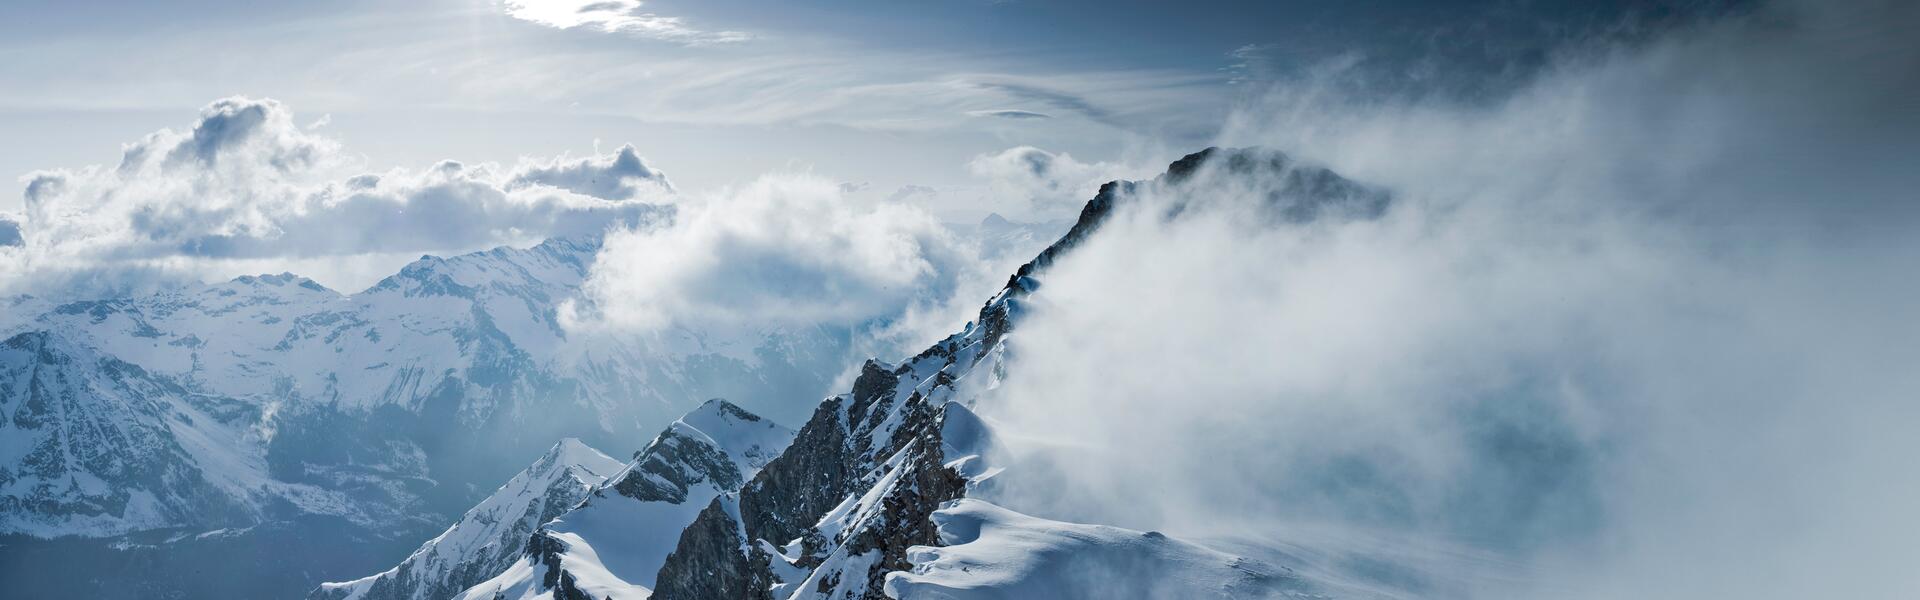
x: 278, y: 280
x: 554, y: 263
x: 613, y: 544
x: 718, y: 444
x: 748, y: 440
x: 571, y: 453
x: 491, y: 535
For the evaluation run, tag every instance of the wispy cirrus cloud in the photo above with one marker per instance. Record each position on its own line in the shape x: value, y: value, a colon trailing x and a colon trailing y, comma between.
x: 617, y: 16
x: 1009, y: 113
x: 1064, y: 100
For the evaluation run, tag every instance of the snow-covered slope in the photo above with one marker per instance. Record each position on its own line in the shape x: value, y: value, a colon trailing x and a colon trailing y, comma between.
x: 992, y: 552
x: 860, y: 494
x: 93, y: 445
x: 490, y: 536
x: 612, y: 544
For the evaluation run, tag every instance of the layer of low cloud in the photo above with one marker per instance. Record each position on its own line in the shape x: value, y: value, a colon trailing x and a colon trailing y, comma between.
x: 1643, y: 325
x: 785, y: 251
x: 911, y: 192
x: 244, y: 187
x: 1050, y: 184
x: 616, y: 16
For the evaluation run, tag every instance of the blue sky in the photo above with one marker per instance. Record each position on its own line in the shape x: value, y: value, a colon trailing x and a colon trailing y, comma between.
x: 885, y: 93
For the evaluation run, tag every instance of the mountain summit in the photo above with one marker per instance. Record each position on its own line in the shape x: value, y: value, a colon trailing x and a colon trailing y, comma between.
x: 490, y: 535
x: 870, y: 483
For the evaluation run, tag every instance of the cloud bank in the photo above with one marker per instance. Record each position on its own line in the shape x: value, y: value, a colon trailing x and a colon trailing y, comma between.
x: 1643, y: 326
x: 245, y: 186
x: 1049, y: 183
x: 782, y: 251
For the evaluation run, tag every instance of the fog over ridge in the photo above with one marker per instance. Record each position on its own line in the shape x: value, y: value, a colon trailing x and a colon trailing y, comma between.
x: 1642, y: 326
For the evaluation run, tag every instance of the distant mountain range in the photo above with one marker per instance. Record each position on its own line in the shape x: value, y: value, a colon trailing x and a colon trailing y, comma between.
x: 142, y: 432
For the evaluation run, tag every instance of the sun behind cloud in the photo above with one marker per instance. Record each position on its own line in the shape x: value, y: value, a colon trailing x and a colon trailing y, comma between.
x: 616, y: 16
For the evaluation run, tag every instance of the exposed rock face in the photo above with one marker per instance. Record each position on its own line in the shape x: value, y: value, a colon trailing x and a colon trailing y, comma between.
x: 711, y: 559
x: 837, y: 512
x: 672, y: 465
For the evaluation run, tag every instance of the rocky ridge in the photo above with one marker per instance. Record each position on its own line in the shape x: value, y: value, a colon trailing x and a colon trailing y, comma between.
x: 859, y: 487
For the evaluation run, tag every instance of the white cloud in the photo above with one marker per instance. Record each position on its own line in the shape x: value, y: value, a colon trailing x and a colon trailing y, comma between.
x: 245, y: 187
x: 784, y: 250
x: 1644, y: 325
x: 616, y: 16
x: 1052, y: 184
x: 912, y: 191
x: 622, y: 175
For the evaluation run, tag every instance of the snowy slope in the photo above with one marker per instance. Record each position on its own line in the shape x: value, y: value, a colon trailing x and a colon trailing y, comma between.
x: 490, y: 536
x: 613, y: 543
x: 992, y: 552
x: 91, y: 445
